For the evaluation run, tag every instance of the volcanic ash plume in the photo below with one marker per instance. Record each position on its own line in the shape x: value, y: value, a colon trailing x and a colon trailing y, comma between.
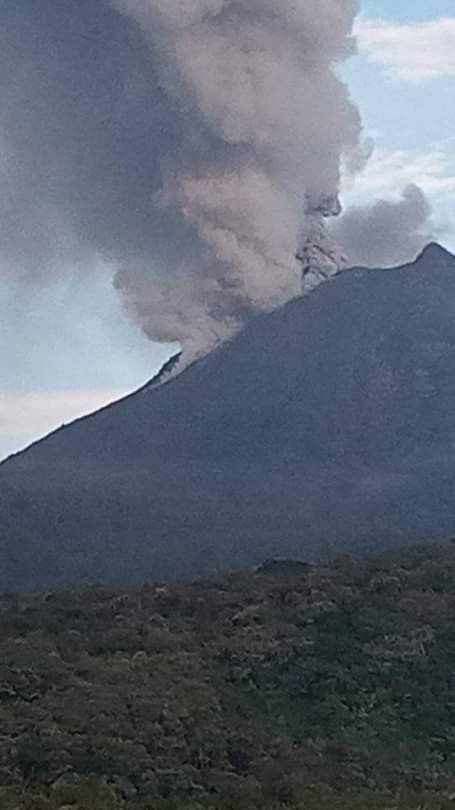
x: 387, y: 232
x: 193, y: 147
x: 253, y: 168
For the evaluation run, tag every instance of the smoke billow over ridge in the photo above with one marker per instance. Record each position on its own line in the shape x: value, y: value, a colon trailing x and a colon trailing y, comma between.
x: 194, y: 145
x: 387, y: 232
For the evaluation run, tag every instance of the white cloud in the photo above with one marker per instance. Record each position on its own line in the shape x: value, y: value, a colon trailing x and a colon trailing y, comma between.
x: 409, y: 51
x: 388, y: 171
x: 24, y: 416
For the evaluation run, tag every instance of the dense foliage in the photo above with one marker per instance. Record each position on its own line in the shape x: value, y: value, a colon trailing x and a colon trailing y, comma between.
x: 314, y: 687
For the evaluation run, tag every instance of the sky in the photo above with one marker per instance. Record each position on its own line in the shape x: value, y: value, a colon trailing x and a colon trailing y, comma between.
x: 68, y: 347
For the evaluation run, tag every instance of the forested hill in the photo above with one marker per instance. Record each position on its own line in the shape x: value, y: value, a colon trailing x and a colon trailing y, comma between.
x: 286, y: 686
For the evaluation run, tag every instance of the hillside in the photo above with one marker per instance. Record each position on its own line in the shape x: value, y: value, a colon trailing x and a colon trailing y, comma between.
x: 326, y: 426
x: 312, y: 687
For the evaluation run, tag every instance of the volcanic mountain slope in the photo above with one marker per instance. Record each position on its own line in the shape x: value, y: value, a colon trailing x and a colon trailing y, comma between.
x: 326, y: 426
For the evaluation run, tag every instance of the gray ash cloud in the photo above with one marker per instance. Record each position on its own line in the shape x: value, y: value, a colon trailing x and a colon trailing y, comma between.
x: 385, y: 233
x: 193, y: 146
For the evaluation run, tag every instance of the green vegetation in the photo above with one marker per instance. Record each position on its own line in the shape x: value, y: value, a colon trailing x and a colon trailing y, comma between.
x: 291, y: 686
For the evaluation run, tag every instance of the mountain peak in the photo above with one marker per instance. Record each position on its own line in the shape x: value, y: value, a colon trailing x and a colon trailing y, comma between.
x: 320, y: 429
x: 435, y: 252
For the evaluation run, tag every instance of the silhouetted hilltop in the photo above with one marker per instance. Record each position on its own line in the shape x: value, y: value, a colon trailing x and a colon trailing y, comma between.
x: 326, y: 426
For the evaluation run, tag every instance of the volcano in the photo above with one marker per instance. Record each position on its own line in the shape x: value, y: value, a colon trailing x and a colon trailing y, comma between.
x: 326, y: 427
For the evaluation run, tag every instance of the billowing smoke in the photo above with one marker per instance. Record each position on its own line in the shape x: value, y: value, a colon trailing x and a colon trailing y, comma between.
x: 258, y: 77
x: 387, y: 232
x: 193, y: 145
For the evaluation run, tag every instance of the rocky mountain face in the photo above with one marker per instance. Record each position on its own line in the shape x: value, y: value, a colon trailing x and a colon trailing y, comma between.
x: 326, y: 427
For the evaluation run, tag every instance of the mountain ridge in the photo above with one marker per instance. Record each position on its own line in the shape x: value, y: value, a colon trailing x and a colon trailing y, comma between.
x: 324, y: 426
x: 433, y: 250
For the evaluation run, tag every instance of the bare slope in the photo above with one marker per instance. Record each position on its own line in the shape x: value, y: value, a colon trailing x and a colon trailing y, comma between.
x: 325, y: 426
